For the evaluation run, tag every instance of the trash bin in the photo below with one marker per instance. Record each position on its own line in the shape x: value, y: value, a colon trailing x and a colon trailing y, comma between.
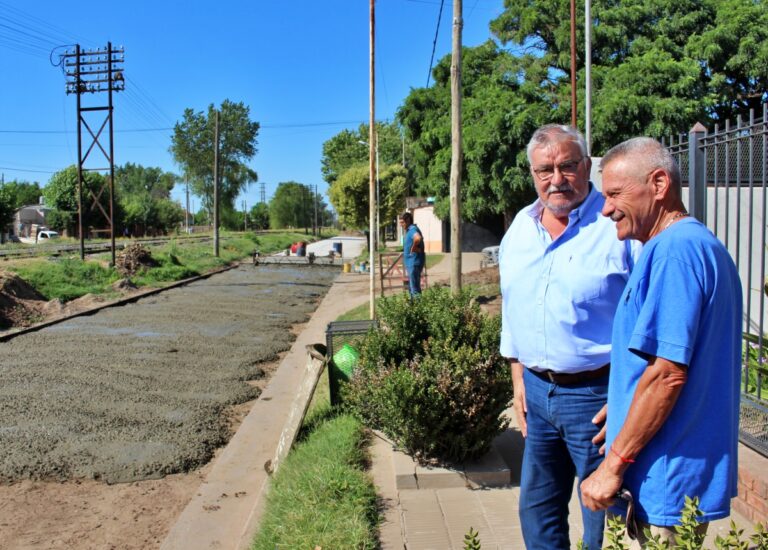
x: 337, y: 247
x: 345, y: 360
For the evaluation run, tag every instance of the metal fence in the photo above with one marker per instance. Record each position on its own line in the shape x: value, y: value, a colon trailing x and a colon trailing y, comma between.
x: 724, y: 186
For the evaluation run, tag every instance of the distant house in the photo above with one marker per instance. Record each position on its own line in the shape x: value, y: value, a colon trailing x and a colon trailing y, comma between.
x: 437, y: 233
x: 28, y: 220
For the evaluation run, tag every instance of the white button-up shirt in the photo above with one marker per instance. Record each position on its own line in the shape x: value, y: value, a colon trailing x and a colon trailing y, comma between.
x: 559, y: 296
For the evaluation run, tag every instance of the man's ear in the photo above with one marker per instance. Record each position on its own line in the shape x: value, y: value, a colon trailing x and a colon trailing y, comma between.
x: 661, y: 182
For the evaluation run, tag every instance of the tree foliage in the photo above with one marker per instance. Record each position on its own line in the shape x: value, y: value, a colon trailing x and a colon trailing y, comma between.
x: 193, y: 149
x: 350, y: 148
x: 7, y: 207
x: 143, y: 194
x: 350, y: 194
x: 23, y: 193
x: 499, y: 114
x: 291, y: 206
x: 258, y: 217
x: 61, y: 195
x: 659, y: 66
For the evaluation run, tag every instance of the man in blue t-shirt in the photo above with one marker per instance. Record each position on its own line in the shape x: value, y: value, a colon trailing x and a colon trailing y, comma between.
x: 673, y: 394
x: 413, y: 252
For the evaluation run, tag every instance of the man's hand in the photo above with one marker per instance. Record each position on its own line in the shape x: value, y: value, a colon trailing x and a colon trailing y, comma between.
x: 598, y: 419
x: 599, y: 490
x: 518, y: 403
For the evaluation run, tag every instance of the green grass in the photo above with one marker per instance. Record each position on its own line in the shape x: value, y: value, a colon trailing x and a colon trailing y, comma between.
x: 68, y: 278
x: 71, y: 278
x: 322, y: 496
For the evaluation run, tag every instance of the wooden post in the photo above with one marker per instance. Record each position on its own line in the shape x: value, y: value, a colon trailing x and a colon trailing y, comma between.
x: 456, y: 150
x: 372, y: 164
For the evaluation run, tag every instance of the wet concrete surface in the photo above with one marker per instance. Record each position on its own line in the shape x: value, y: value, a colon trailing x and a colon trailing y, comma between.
x: 139, y: 391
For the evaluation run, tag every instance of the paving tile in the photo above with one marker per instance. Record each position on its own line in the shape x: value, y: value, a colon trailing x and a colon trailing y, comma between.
x: 462, y: 510
x: 423, y: 521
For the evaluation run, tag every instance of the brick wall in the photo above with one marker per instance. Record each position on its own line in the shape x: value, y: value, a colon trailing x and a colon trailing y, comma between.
x: 752, y: 500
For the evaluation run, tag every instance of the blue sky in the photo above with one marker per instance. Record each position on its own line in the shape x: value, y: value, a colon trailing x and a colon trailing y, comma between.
x: 301, y: 66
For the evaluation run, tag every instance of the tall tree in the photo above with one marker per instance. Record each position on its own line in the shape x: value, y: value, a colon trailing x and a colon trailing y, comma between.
x: 61, y: 195
x: 349, y: 148
x: 259, y: 216
x: 143, y: 195
x: 193, y: 150
x: 291, y: 206
x: 500, y: 112
x: 659, y: 66
x: 23, y: 193
x: 349, y: 194
x: 7, y: 208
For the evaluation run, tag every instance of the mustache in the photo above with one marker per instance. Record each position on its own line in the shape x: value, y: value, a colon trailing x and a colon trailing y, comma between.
x: 564, y: 188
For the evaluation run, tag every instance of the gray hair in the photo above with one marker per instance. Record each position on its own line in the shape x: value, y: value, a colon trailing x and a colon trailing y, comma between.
x: 556, y: 133
x: 647, y: 155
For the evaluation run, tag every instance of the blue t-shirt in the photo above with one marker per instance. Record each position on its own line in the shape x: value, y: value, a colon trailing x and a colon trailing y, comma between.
x: 682, y: 303
x: 412, y: 259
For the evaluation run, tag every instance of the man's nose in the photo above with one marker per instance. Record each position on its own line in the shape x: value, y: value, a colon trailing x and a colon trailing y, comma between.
x: 607, y: 209
x: 557, y: 176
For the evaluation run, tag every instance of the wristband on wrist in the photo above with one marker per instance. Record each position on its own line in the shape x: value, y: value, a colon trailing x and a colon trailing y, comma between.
x: 623, y: 460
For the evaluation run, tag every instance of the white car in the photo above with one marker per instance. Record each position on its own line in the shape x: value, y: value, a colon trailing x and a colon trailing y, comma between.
x: 46, y: 235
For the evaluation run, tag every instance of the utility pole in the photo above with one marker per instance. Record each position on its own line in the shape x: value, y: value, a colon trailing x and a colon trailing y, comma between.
x: 95, y: 71
x: 315, y: 232
x: 588, y: 74
x: 186, y: 214
x: 371, y: 162
x: 216, y: 186
x: 456, y: 151
x: 245, y: 217
x: 574, y: 120
x: 263, y: 190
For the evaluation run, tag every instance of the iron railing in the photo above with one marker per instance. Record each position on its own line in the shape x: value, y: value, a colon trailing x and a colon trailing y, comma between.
x: 724, y: 186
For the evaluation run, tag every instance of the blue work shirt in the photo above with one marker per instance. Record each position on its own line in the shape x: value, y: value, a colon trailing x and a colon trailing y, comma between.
x: 411, y: 259
x: 559, y: 297
x: 683, y: 303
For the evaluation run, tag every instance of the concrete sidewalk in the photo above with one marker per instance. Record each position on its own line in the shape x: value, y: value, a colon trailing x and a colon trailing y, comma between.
x: 433, y: 508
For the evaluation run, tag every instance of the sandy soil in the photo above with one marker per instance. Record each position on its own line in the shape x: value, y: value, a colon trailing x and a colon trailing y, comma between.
x: 136, y: 392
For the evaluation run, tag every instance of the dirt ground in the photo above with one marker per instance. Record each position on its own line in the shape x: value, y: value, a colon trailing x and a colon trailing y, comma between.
x: 134, y: 393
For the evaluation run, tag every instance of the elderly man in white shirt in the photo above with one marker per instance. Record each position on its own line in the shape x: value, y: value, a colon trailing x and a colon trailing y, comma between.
x: 562, y: 272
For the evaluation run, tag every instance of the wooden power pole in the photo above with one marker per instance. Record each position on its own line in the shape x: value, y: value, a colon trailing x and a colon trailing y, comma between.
x: 456, y: 151
x: 216, y: 186
x: 372, y: 163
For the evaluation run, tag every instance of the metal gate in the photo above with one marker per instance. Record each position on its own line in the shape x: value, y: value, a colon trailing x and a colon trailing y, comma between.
x: 724, y: 186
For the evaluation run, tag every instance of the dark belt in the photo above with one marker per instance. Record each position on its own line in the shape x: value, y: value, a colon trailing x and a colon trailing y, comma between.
x: 565, y: 379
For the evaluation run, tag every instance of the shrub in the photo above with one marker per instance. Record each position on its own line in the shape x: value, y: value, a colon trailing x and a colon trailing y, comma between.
x: 431, y: 377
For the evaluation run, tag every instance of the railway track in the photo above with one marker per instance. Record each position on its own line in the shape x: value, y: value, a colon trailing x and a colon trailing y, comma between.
x: 93, y: 248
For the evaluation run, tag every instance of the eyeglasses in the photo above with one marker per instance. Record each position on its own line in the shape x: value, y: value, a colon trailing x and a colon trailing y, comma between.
x: 567, y: 168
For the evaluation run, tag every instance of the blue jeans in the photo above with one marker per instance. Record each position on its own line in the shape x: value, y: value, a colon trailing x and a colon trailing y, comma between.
x: 559, y: 446
x: 414, y: 279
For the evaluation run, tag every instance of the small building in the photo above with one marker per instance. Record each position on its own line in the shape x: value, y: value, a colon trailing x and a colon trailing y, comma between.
x: 28, y: 220
x: 437, y: 233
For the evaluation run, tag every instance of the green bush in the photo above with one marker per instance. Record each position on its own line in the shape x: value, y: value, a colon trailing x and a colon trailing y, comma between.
x: 431, y: 377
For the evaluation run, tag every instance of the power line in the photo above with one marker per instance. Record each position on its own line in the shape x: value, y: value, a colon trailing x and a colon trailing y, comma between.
x: 169, y: 128
x: 434, y: 42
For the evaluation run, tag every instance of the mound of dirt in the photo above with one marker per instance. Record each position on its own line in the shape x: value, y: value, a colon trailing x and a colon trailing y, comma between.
x: 20, y: 304
x: 134, y: 258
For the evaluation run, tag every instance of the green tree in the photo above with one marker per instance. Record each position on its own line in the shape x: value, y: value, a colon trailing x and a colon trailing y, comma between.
x: 659, y: 66
x: 350, y: 148
x: 258, y: 217
x: 350, y: 194
x: 7, y: 207
x: 500, y: 112
x: 61, y: 195
x: 193, y: 149
x: 23, y: 193
x: 291, y: 206
x: 143, y: 195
